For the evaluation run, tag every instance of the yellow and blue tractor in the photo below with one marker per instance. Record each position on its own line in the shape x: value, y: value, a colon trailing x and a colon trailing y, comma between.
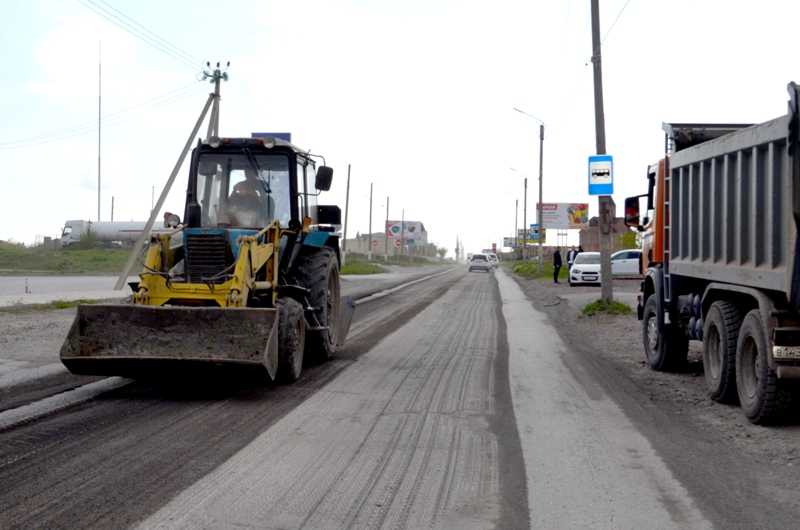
x: 250, y: 277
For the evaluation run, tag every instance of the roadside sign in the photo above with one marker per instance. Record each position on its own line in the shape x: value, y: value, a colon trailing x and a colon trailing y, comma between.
x: 601, y: 175
x: 533, y: 235
x: 397, y: 243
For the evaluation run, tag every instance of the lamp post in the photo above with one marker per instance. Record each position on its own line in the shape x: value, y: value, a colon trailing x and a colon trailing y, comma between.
x: 541, y: 160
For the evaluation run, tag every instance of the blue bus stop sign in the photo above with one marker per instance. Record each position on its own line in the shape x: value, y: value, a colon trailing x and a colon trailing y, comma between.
x: 601, y: 175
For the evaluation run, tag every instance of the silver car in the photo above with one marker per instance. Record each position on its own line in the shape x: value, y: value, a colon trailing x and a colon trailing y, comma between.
x: 479, y: 262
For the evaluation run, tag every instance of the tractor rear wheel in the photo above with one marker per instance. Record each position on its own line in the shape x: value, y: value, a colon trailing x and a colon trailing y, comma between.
x: 318, y: 271
x: 291, y: 340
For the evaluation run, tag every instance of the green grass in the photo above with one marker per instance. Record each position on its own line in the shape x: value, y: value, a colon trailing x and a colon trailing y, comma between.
x: 55, y: 304
x: 361, y: 267
x: 530, y: 269
x: 19, y: 259
x: 599, y: 306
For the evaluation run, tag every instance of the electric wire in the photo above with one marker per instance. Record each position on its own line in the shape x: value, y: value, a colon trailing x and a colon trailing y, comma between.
x: 615, y: 21
x: 110, y: 119
x: 116, y: 17
x: 189, y: 57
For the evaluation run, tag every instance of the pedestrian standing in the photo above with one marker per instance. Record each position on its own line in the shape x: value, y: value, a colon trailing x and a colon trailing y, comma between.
x: 556, y: 264
x: 571, y: 258
x: 580, y: 249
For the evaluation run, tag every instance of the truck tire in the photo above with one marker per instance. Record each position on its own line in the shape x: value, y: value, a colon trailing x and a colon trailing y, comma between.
x: 761, y: 395
x: 665, y: 352
x: 318, y: 271
x: 291, y: 340
x: 720, y: 332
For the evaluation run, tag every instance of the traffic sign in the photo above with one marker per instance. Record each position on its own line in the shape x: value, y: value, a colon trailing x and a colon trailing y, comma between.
x: 601, y: 175
x: 397, y: 243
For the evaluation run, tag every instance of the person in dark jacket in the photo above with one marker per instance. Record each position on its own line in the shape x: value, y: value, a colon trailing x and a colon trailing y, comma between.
x: 556, y: 265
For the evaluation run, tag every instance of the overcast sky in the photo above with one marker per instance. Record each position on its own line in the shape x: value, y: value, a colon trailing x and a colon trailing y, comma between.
x: 416, y: 95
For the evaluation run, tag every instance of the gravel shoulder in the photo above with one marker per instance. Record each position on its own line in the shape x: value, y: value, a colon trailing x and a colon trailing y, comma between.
x: 738, y: 471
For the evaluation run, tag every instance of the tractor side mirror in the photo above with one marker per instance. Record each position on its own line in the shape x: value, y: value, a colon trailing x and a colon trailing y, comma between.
x: 324, y: 178
x: 329, y: 215
x: 632, y: 212
x: 193, y: 214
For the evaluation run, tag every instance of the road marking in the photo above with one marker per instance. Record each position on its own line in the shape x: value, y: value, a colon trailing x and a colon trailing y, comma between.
x: 586, y: 464
x: 49, y: 405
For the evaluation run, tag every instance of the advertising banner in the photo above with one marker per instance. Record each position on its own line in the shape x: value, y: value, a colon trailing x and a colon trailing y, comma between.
x: 414, y: 231
x: 565, y: 215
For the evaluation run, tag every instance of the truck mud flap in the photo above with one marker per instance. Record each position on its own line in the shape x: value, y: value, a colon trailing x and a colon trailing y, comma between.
x: 136, y: 340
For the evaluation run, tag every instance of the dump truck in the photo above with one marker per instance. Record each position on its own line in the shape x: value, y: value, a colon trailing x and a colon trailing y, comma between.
x: 721, y: 256
x: 250, y: 277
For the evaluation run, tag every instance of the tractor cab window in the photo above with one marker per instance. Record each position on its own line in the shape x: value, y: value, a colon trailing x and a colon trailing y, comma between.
x: 241, y: 191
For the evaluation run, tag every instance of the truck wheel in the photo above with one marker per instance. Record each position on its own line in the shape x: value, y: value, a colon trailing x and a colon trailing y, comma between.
x: 318, y: 271
x: 719, y: 350
x: 291, y: 340
x: 762, y: 398
x: 666, y: 351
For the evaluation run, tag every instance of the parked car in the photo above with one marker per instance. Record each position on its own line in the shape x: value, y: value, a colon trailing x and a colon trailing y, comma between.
x: 479, y: 262
x: 493, y: 259
x: 585, y: 269
x: 626, y: 262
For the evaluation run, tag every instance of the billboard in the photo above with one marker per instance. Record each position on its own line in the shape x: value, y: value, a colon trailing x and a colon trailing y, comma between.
x: 509, y: 242
x: 565, y: 215
x: 414, y: 231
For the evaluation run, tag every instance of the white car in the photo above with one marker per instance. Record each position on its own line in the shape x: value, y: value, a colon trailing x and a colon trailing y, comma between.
x: 479, y: 262
x: 585, y: 269
x: 493, y: 259
x: 626, y: 262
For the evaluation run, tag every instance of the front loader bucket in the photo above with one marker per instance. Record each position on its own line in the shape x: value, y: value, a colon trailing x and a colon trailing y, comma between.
x: 137, y: 340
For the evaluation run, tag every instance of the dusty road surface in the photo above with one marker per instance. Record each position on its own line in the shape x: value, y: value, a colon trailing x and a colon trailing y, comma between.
x: 458, y: 402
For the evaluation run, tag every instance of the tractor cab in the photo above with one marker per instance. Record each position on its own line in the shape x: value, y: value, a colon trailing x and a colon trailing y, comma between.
x: 247, y: 183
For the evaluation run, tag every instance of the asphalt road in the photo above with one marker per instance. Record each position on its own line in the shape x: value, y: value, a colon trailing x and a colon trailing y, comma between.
x: 455, y: 404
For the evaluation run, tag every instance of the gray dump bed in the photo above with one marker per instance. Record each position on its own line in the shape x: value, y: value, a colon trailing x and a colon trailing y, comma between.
x: 732, y: 203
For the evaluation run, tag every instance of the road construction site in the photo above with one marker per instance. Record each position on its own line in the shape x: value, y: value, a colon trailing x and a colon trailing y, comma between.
x: 461, y: 400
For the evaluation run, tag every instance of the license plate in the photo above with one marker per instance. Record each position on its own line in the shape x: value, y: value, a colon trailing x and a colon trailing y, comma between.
x: 786, y: 352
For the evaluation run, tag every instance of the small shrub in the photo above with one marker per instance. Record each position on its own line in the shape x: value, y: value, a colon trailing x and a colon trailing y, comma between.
x: 600, y: 306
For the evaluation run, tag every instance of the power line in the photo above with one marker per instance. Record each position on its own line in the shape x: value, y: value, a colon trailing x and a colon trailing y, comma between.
x: 615, y: 21
x: 154, y: 35
x: 113, y: 118
x: 118, y: 18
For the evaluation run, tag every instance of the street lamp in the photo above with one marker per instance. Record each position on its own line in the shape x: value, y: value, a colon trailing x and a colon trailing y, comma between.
x: 541, y: 156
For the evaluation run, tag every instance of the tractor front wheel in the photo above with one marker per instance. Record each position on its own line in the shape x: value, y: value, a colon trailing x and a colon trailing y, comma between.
x: 318, y: 271
x: 291, y: 340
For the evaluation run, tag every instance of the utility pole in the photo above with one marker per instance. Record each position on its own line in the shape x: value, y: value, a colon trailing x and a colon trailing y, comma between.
x: 525, y: 221
x: 112, y: 208
x: 152, y: 198
x: 516, y: 227
x: 605, y: 202
x: 99, y: 117
x: 369, y: 252
x: 133, y: 257
x: 386, y: 233
x: 346, y: 210
x: 539, y: 213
